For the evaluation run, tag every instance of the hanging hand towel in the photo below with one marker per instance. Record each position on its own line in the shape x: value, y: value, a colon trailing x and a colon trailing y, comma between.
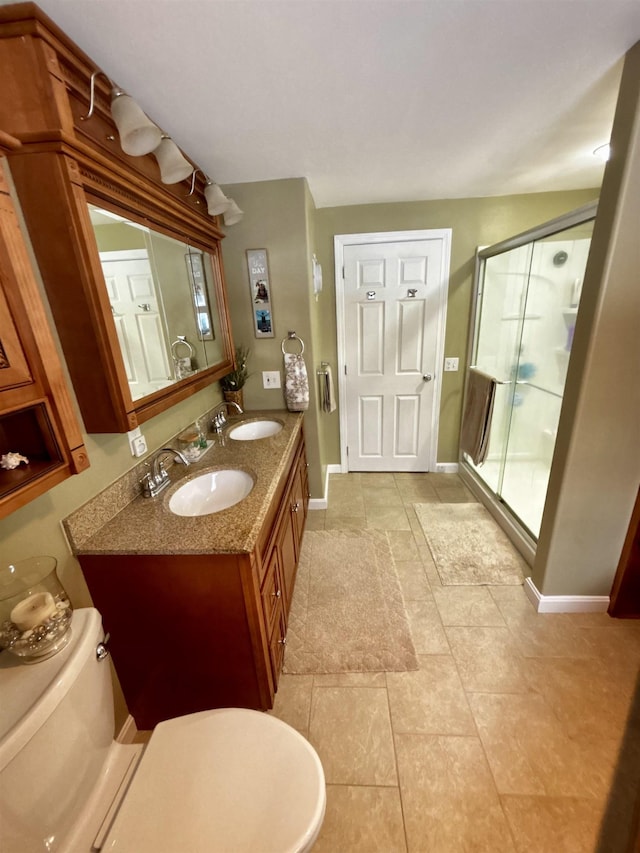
x: 328, y: 395
x: 296, y: 383
x: 476, y: 420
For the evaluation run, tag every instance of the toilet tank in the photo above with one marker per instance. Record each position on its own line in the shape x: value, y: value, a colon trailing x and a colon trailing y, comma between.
x: 56, y: 727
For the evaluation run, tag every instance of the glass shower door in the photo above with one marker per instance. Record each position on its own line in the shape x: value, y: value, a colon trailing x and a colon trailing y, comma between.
x: 527, y: 302
x: 501, y: 299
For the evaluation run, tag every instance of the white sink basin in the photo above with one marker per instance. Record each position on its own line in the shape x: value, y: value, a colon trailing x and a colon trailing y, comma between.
x: 211, y: 492
x: 251, y: 430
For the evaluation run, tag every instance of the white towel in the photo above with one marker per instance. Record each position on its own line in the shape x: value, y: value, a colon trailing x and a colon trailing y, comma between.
x: 328, y: 394
x: 296, y: 383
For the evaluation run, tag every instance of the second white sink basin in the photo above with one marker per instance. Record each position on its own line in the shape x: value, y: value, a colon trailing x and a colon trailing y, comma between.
x: 211, y: 492
x: 251, y: 430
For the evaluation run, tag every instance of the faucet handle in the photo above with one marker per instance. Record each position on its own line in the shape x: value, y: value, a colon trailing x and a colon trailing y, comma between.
x: 147, y: 485
x: 219, y: 420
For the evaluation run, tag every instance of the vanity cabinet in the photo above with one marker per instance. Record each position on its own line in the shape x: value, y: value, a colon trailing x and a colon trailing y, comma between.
x: 280, y: 558
x: 197, y: 631
x: 37, y: 418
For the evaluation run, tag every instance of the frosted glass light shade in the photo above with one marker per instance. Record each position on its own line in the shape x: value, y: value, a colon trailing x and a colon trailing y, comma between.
x: 233, y: 213
x: 217, y: 202
x: 174, y: 166
x: 138, y: 134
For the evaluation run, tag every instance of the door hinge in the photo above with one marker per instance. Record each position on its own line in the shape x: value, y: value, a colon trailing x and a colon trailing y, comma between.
x: 347, y: 450
x: 343, y: 271
x: 345, y: 370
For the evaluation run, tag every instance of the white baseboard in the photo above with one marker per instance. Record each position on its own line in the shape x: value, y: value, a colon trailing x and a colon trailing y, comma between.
x: 446, y: 468
x: 565, y: 603
x: 322, y: 503
x: 128, y: 731
x: 317, y: 503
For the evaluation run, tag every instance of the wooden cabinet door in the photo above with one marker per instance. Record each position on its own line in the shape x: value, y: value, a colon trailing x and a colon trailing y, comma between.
x: 14, y: 370
x: 287, y: 546
x: 271, y: 592
x: 277, y: 645
x: 37, y: 417
x: 299, y: 502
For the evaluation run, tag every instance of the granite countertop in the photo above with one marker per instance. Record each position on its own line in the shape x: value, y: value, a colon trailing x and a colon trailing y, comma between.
x: 147, y: 526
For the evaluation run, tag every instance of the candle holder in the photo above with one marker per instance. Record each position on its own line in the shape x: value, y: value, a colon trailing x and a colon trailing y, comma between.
x: 35, y: 611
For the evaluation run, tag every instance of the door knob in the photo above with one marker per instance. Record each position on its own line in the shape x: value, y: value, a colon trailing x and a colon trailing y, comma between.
x: 427, y: 377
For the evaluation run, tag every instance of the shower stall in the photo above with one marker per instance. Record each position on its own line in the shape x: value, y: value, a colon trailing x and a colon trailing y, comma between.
x: 526, y: 300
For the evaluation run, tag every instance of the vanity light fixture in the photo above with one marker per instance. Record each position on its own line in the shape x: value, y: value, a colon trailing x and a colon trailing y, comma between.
x: 233, y: 213
x: 217, y: 202
x: 174, y: 166
x: 138, y: 134
x: 603, y: 151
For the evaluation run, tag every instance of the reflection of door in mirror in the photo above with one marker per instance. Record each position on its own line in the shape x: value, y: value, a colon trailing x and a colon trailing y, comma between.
x: 136, y: 313
x: 156, y: 299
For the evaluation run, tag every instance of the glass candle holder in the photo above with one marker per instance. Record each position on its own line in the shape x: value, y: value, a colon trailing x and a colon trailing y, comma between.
x: 35, y: 611
x: 192, y: 441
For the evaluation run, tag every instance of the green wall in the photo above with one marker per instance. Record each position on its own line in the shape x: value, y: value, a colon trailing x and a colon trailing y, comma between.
x: 474, y: 222
x: 280, y: 216
x: 596, y: 465
x: 277, y: 217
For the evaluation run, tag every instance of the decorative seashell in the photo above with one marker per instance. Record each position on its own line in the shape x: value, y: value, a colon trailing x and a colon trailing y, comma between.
x: 12, y: 460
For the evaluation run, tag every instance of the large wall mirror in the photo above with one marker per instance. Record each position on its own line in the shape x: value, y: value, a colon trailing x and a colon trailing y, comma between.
x: 163, y: 301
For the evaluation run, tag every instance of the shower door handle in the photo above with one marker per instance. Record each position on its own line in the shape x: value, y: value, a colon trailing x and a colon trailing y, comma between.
x: 427, y: 377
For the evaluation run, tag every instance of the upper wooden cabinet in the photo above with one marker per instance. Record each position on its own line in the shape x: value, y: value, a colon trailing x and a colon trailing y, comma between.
x: 37, y: 418
x: 79, y: 193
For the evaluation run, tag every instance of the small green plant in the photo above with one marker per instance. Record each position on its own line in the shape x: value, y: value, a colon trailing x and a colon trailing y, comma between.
x: 235, y: 380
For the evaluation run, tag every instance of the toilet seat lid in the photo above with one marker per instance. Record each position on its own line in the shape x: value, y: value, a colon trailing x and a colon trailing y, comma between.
x: 220, y: 781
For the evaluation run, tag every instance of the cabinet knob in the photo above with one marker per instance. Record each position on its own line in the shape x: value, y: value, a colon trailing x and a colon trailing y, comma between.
x: 277, y: 593
x: 295, y: 507
x: 282, y: 641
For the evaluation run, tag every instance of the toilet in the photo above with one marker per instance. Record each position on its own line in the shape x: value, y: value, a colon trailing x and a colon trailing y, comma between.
x: 228, y: 780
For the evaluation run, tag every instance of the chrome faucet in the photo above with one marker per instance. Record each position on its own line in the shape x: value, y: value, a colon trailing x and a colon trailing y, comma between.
x: 219, y: 418
x: 157, y: 479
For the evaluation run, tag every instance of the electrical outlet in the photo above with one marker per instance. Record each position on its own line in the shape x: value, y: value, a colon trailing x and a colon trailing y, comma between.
x: 451, y: 363
x: 137, y: 442
x: 271, y: 379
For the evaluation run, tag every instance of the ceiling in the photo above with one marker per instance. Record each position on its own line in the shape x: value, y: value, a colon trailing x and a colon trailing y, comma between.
x: 371, y: 100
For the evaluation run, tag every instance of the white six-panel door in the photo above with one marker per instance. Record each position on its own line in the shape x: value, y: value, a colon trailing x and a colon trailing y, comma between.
x: 136, y: 313
x: 393, y: 303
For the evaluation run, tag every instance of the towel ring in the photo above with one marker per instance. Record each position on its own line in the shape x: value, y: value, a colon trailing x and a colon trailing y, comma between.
x: 181, y: 340
x: 292, y: 337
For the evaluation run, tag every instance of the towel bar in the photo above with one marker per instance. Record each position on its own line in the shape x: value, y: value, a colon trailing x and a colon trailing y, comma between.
x: 497, y: 381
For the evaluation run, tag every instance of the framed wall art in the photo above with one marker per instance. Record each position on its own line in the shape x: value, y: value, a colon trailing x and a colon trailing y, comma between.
x: 199, y: 295
x: 260, y: 290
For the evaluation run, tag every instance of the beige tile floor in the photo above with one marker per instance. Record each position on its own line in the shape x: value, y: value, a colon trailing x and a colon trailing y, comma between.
x: 505, y: 739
